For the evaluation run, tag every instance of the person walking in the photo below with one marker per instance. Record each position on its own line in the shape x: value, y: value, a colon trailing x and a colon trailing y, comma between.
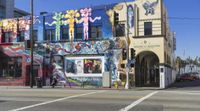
x: 54, y: 81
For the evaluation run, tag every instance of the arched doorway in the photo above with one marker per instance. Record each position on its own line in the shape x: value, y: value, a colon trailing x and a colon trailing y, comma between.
x: 147, y: 70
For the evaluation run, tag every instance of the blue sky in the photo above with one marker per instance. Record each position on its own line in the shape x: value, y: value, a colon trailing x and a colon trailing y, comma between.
x: 187, y: 30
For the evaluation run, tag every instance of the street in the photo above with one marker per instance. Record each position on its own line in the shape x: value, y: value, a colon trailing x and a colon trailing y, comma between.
x: 180, y: 97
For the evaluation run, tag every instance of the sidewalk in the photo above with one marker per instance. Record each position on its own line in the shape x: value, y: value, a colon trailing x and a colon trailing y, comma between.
x: 81, y: 88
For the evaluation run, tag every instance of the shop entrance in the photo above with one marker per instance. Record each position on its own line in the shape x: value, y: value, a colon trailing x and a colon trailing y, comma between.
x: 35, y: 74
x: 147, y: 70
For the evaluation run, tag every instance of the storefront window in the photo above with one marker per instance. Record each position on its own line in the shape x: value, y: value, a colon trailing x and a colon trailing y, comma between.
x: 11, y: 67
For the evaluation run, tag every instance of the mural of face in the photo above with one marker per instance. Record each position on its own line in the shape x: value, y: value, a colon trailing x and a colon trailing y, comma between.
x: 86, y: 18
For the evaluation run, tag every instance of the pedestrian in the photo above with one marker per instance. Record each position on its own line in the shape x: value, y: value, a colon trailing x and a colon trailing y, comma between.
x: 54, y: 81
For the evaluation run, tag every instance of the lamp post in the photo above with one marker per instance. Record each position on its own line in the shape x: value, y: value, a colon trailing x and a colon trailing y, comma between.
x: 32, y: 46
x: 127, y: 86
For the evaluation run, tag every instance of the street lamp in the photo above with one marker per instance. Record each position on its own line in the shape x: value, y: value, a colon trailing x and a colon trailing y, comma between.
x: 32, y: 45
x: 127, y: 86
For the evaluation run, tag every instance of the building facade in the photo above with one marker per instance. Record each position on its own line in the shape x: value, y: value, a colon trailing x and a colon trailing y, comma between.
x: 8, y: 10
x: 88, y: 44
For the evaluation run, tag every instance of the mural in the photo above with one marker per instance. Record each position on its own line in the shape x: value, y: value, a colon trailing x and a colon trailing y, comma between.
x: 58, y: 23
x: 130, y: 16
x: 71, y: 16
x: 93, y: 66
x: 24, y: 25
x: 84, y: 65
x: 10, y: 26
x: 150, y: 7
x: 86, y: 18
x: 108, y: 49
x: 13, y: 27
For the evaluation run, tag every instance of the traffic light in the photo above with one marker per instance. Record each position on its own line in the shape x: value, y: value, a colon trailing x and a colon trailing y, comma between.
x: 27, y: 44
x: 124, y: 56
x: 132, y: 53
x: 116, y: 18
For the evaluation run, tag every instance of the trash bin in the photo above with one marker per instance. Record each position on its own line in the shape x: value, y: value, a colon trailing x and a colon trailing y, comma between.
x: 39, y: 82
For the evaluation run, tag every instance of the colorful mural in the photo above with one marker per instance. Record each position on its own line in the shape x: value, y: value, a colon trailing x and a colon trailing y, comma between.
x: 107, y: 47
x: 24, y: 25
x: 10, y: 26
x: 58, y: 23
x: 86, y: 18
x: 150, y: 7
x: 130, y: 15
x: 72, y: 18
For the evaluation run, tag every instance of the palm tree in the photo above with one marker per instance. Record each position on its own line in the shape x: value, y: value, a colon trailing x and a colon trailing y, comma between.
x: 178, y: 63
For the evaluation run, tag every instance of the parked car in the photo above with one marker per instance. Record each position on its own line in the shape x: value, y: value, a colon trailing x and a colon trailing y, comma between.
x: 195, y: 76
x: 187, y: 77
x: 178, y: 78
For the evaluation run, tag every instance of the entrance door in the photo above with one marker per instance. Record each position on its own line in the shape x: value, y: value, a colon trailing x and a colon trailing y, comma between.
x: 28, y: 72
x: 147, y: 70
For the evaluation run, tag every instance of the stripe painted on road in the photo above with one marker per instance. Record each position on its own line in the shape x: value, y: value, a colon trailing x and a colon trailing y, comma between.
x: 184, y: 92
x: 61, y: 99
x: 135, y: 103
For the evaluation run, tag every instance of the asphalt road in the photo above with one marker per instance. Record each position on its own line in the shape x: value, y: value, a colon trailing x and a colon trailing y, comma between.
x: 180, y: 97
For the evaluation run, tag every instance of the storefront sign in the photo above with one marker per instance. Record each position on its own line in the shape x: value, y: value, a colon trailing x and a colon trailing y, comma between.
x: 146, y: 46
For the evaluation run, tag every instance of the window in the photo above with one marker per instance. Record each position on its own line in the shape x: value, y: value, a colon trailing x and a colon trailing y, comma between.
x: 65, y: 34
x: 50, y: 34
x: 96, y: 32
x: 7, y: 37
x: 120, y: 30
x: 79, y: 33
x: 35, y: 32
x: 11, y: 67
x: 148, y: 28
x: 21, y: 36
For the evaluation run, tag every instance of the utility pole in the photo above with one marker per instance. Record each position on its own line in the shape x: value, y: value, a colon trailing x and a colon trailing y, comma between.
x: 127, y: 86
x: 32, y: 46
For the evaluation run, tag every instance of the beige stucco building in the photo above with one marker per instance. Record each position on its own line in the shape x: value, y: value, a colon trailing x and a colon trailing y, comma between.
x: 153, y: 41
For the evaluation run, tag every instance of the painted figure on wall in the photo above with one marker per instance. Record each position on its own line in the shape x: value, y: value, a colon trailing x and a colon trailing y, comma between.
x: 10, y: 26
x: 24, y: 25
x: 71, y: 17
x: 130, y: 16
x: 57, y: 22
x: 150, y: 7
x: 86, y: 18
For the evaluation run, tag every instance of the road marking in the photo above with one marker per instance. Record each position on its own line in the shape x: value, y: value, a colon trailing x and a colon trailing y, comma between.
x: 137, y: 102
x: 184, y: 92
x: 61, y: 99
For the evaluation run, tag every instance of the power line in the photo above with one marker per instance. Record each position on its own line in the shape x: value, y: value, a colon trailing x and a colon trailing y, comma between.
x: 184, y: 18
